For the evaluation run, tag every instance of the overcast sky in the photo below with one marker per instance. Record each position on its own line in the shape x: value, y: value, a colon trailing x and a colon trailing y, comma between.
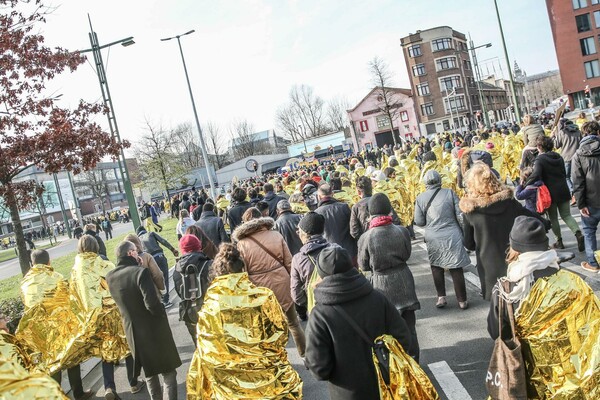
x: 246, y: 54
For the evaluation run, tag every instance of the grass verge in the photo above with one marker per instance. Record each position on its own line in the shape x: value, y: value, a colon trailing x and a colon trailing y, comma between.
x: 10, y: 254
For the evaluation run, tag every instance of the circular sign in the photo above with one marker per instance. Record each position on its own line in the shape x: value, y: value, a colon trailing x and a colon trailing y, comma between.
x: 250, y: 165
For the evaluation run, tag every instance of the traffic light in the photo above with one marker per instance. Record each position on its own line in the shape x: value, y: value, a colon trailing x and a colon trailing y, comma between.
x: 512, y: 109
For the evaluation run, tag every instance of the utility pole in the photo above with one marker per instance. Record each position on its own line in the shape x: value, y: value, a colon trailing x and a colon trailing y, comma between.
x: 62, y: 206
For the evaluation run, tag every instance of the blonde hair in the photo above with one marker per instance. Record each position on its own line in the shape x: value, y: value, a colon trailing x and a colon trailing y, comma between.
x: 90, y: 227
x: 512, y: 255
x: 481, y: 181
x: 528, y: 120
x: 88, y: 244
x: 135, y: 240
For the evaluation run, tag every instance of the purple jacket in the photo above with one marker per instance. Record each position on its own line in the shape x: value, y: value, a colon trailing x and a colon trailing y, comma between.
x: 529, y: 194
x: 302, y: 267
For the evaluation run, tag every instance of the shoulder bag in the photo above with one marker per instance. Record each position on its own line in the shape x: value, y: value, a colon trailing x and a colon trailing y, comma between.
x: 429, y: 203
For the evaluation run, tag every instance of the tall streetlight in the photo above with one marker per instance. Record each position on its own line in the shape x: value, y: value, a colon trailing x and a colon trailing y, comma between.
x: 478, y: 77
x: 112, y: 120
x: 207, y: 163
x: 510, y: 74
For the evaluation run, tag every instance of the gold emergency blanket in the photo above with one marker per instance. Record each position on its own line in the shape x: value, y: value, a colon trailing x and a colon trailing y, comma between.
x: 407, y: 380
x: 16, y: 381
x: 559, y: 322
x: 242, y: 334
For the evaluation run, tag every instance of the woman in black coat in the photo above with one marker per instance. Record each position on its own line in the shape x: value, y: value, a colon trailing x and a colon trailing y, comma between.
x: 549, y: 167
x: 489, y: 210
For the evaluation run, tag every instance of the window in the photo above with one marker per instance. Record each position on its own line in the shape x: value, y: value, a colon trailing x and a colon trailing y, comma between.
x: 588, y: 46
x: 577, y: 4
x: 427, y: 109
x: 419, y: 70
x: 592, y: 69
x: 449, y: 82
x: 364, y: 126
x: 414, y: 50
x: 403, y: 116
x: 597, y: 18
x: 441, y: 44
x: 583, y: 22
x: 423, y: 89
x: 445, y: 63
x: 595, y: 2
x: 383, y: 121
x: 467, y: 64
x: 454, y: 103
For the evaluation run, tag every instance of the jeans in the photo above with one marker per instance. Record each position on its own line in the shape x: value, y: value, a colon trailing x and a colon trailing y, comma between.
x: 458, y: 278
x: 564, y: 209
x: 568, y: 171
x: 590, y: 225
x: 161, y: 260
x: 169, y: 392
x: 74, y: 374
x: 296, y: 330
x: 107, y: 233
x: 108, y: 373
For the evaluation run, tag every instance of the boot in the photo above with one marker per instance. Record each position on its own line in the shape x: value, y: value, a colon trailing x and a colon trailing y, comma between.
x: 558, y: 245
x: 580, y: 241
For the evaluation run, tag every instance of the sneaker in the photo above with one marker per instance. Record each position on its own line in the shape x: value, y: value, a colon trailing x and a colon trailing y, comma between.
x: 135, y: 389
x: 110, y: 394
x: 589, y: 267
x: 86, y: 395
x: 168, y: 304
x: 463, y: 305
x: 441, y: 303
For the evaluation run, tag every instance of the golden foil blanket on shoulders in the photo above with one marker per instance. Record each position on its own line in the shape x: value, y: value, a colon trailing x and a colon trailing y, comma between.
x: 242, y: 334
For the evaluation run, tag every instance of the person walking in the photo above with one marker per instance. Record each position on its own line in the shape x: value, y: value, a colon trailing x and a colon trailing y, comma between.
x: 287, y: 224
x: 585, y: 174
x: 437, y: 210
x: 90, y: 229
x: 334, y: 351
x: 549, y: 167
x: 239, y: 207
x: 489, y: 210
x: 145, y: 322
x: 272, y: 199
x: 384, y: 250
x: 147, y: 261
x: 185, y: 221
x: 567, y: 139
x: 360, y: 216
x: 107, y: 228
x: 150, y: 243
x: 268, y: 262
x: 212, y: 225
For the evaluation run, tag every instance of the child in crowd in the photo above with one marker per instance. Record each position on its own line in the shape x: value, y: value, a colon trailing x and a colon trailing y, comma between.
x: 528, y: 193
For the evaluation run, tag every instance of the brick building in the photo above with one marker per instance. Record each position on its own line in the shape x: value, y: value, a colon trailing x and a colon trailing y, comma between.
x: 441, y: 76
x: 575, y: 29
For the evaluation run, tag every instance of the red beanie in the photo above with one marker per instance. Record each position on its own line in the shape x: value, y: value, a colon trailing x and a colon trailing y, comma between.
x: 189, y: 244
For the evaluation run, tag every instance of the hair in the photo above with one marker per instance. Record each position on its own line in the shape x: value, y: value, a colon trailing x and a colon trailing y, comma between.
x: 525, y: 174
x: 388, y: 171
x: 90, y: 227
x: 196, y: 231
x: 545, y: 143
x: 268, y: 187
x: 393, y: 162
x: 228, y: 260
x: 582, y: 115
x: 135, y: 240
x: 364, y: 184
x: 124, y: 248
x: 208, y: 207
x: 184, y: 214
x: 238, y: 195
x: 251, y: 213
x: 263, y: 206
x: 335, y: 183
x: 88, y: 244
x: 325, y: 189
x: 512, y: 255
x: 40, y: 256
x: 481, y: 181
x: 590, y: 128
x: 279, y: 187
x: 528, y: 120
x: 252, y: 193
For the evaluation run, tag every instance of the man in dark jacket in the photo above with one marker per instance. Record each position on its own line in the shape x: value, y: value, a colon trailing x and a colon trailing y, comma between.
x: 585, y: 174
x: 360, y: 216
x: 240, y: 205
x: 185, y: 204
x: 145, y: 322
x: 287, y: 225
x: 90, y: 229
x: 150, y: 243
x: 272, y: 199
x: 212, y: 225
x: 567, y: 139
x: 334, y: 351
x: 337, y: 220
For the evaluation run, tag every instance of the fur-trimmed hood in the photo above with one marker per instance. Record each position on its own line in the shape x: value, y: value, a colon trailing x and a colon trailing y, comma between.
x: 251, y: 227
x: 469, y: 204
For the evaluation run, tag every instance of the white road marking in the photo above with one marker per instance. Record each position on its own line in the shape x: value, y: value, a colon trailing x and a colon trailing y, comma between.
x: 473, y: 279
x: 449, y: 383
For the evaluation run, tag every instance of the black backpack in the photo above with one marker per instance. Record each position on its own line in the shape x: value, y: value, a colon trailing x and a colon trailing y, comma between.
x: 191, y: 292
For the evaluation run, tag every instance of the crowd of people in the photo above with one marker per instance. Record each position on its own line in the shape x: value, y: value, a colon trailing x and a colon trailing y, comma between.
x: 331, y: 244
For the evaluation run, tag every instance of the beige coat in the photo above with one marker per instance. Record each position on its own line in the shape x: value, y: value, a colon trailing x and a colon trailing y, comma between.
x: 157, y: 275
x: 263, y: 269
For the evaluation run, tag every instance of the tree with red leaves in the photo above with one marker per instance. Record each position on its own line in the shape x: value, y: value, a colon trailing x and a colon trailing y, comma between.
x: 34, y: 130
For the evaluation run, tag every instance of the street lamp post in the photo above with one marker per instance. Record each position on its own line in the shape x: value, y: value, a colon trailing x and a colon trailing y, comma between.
x: 112, y: 120
x: 207, y: 163
x: 478, y: 78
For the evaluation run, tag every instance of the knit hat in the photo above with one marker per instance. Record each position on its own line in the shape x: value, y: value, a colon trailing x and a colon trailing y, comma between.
x: 448, y: 146
x: 333, y: 259
x: 312, y: 223
x: 378, y: 176
x: 284, y: 205
x: 189, y: 244
x: 528, y: 234
x: 379, y: 204
x: 489, y: 145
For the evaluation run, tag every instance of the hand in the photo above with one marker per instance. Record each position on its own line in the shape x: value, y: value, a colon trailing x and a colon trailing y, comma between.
x: 175, y: 253
x: 585, y: 212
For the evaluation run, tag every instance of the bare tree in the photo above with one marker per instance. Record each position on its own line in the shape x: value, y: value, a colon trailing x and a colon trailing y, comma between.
x: 386, y: 96
x: 244, y: 142
x: 215, y: 142
x: 303, y: 116
x: 95, y: 181
x: 337, y: 115
x: 186, y: 144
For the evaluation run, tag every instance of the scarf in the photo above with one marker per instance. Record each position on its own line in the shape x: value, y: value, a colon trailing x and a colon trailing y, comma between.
x: 521, y: 272
x: 381, y: 220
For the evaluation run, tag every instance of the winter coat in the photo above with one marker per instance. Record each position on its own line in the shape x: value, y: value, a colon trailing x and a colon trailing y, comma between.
x: 529, y: 194
x: 530, y: 134
x: 287, y: 225
x: 302, y: 267
x: 157, y: 276
x: 487, y: 225
x: 585, y: 173
x: 213, y: 227
x: 567, y: 139
x: 550, y: 168
x: 385, y: 251
x: 101, y: 244
x: 188, y: 311
x: 360, y: 218
x: 183, y: 224
x: 144, y: 318
x: 262, y: 268
x: 443, y: 232
x: 234, y: 215
x: 334, y: 351
x: 272, y: 199
x: 150, y: 242
x: 337, y: 224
